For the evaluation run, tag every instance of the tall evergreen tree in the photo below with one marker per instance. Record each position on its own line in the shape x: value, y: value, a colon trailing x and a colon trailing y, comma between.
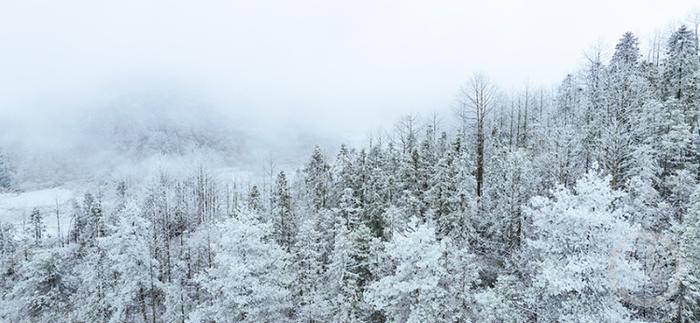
x: 317, y: 180
x: 38, y: 227
x: 680, y: 75
x: 7, y: 181
x: 283, y: 221
x: 572, y: 236
x: 250, y: 277
x: 686, y: 303
x: 255, y: 200
x: 44, y: 290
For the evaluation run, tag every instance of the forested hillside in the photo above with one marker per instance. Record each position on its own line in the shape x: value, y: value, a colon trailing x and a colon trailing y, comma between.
x: 579, y: 204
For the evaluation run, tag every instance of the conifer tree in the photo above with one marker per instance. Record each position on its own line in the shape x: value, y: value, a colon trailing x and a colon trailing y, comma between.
x: 44, y: 290
x: 38, y: 226
x: 250, y: 277
x: 255, y: 200
x: 680, y: 72
x: 317, y: 180
x: 7, y: 181
x: 686, y: 305
x: 572, y: 236
x: 283, y: 222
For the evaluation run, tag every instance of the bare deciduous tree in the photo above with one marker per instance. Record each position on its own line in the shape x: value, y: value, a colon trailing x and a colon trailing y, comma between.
x: 407, y: 130
x: 476, y: 102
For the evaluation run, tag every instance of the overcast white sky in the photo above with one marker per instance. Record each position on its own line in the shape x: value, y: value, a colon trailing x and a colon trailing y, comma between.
x: 348, y: 65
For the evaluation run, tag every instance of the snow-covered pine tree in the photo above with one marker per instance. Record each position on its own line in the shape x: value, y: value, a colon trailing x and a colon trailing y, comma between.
x: 340, y: 283
x: 452, y: 194
x: 344, y: 173
x: 674, y: 150
x: 594, y: 113
x: 308, y: 264
x: 37, y: 224
x: 408, y: 295
x: 426, y: 285
x: 686, y: 303
x: 282, y: 215
x: 680, y: 73
x: 410, y: 179
x: 646, y: 205
x: 130, y: 261
x: 44, y: 290
x: 250, y: 277
x: 376, y: 190
x: 510, y: 187
x: 254, y: 202
x: 7, y: 180
x: 317, y: 181
x: 9, y: 263
x: 572, y: 236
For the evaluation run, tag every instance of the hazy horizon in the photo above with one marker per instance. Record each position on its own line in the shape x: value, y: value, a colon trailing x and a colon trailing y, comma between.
x: 331, y: 69
x: 369, y: 161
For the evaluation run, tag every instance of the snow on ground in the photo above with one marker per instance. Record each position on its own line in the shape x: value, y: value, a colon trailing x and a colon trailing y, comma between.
x: 16, y: 207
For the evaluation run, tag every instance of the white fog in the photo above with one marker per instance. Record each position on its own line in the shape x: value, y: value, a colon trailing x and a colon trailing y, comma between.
x: 365, y: 161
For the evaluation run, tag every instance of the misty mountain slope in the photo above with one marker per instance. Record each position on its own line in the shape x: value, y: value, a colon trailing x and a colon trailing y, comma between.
x: 15, y: 208
x: 127, y: 132
x: 155, y: 202
x: 170, y: 124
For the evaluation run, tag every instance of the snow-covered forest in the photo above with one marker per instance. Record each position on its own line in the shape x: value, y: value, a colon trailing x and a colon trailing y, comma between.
x: 574, y: 204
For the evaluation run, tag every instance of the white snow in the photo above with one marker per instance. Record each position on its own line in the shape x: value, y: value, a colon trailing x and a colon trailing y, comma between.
x: 14, y: 207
